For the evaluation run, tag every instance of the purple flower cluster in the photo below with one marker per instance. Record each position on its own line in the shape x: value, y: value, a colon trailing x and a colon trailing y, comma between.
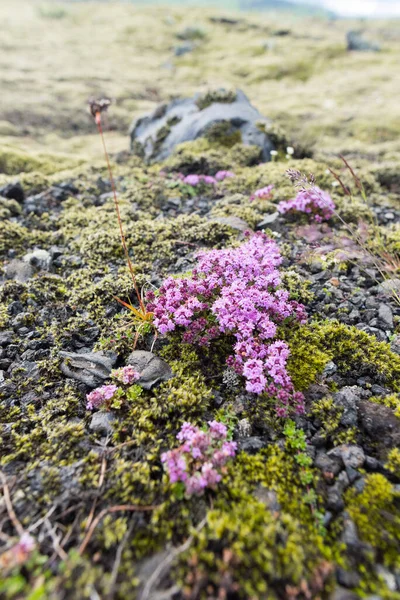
x: 221, y: 175
x: 26, y: 543
x: 100, y: 396
x: 264, y: 193
x: 126, y: 375
x: 312, y: 201
x: 236, y: 292
x: 194, y: 180
x: 199, y: 461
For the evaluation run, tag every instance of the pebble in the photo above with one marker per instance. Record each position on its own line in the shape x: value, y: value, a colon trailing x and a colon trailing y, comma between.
x: 102, y: 422
x: 234, y: 222
x: 351, y: 455
x: 388, y: 577
x: 386, y: 315
x: 269, y: 222
x: 13, y: 191
x: 349, y: 579
x: 251, y: 445
x: 347, y: 399
x: 38, y: 258
x: 19, y: 270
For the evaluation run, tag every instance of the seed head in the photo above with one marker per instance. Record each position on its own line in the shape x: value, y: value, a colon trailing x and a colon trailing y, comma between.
x: 98, y: 106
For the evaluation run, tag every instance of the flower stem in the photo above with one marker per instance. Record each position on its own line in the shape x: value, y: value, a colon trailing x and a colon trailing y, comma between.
x: 116, y: 203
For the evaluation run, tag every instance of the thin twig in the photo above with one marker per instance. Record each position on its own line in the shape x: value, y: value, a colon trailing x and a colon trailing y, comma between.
x: 159, y: 571
x: 101, y: 480
x: 116, y: 203
x: 66, y: 538
x: 42, y: 519
x: 56, y: 541
x: 7, y: 499
x: 117, y: 562
x: 104, y: 512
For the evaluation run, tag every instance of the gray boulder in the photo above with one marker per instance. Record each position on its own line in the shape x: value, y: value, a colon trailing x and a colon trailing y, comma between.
x: 152, y: 369
x: 155, y: 136
x: 356, y: 42
x: 91, y: 368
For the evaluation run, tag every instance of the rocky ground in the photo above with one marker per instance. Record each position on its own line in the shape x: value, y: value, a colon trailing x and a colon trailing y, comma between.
x: 309, y: 506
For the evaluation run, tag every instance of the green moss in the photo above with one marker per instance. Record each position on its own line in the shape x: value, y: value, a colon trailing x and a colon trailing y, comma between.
x: 328, y: 416
x: 203, y: 157
x: 223, y: 134
x: 313, y: 345
x: 352, y: 210
x: 391, y: 401
x: 248, y: 549
x: 14, y: 162
x: 248, y: 180
x: 212, y: 96
x: 297, y: 286
x: 393, y: 462
x: 9, y: 208
x: 375, y: 513
x: 237, y: 205
x: 12, y: 235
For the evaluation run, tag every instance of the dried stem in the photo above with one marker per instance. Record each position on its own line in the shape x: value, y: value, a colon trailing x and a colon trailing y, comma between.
x: 106, y: 511
x: 117, y: 562
x: 101, y: 480
x: 159, y: 571
x: 7, y: 499
x: 56, y: 541
x: 116, y: 203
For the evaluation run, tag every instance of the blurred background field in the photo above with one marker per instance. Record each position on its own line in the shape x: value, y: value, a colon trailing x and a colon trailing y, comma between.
x: 294, y: 67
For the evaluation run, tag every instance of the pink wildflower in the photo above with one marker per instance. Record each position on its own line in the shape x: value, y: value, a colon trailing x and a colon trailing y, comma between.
x: 311, y: 201
x: 126, y: 375
x: 192, y: 180
x: 221, y: 175
x: 236, y: 292
x: 198, y: 461
x: 264, y: 193
x: 208, y: 179
x: 100, y: 395
x: 26, y: 543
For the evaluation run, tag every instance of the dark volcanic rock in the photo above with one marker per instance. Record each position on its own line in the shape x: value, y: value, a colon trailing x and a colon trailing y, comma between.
x: 13, y: 191
x: 252, y: 444
x: 380, y: 423
x: 152, y: 369
x: 156, y: 135
x: 351, y: 455
x: 91, y: 368
x: 347, y: 398
x: 102, y: 422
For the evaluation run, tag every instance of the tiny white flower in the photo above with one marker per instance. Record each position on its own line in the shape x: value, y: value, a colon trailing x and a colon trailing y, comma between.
x: 273, y: 153
x: 290, y: 150
x: 335, y: 183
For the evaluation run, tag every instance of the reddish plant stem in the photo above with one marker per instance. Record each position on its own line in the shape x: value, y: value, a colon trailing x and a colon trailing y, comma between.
x: 106, y: 511
x: 121, y: 230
